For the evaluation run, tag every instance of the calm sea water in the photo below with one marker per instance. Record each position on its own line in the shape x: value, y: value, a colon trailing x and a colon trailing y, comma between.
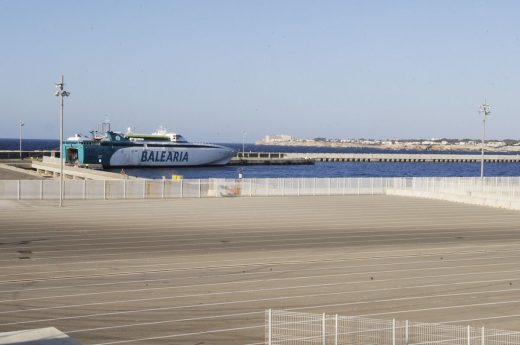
x: 316, y: 170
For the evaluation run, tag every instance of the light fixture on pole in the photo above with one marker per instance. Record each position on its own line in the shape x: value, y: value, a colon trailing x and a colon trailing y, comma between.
x: 485, y: 110
x: 21, y: 125
x: 61, y: 93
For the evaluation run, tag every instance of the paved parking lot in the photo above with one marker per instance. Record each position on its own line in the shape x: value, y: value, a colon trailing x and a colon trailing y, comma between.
x: 202, y: 271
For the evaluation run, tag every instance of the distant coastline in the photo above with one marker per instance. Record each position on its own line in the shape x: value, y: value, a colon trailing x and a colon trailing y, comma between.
x: 445, y: 145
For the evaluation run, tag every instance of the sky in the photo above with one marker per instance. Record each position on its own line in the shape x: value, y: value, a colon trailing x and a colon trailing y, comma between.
x: 221, y: 71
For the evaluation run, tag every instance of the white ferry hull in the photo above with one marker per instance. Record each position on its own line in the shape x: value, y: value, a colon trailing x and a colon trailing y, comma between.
x: 170, y: 156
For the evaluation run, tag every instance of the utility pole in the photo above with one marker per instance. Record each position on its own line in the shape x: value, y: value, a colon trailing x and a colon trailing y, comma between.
x: 485, y: 110
x: 21, y: 125
x: 243, y: 143
x: 61, y: 93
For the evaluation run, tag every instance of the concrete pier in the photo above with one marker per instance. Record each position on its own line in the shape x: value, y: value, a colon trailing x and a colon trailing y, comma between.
x: 301, y: 158
x: 404, y: 157
x: 51, y: 167
x: 15, y: 154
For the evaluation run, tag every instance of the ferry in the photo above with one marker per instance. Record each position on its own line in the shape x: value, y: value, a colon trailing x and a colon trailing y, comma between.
x: 160, y: 149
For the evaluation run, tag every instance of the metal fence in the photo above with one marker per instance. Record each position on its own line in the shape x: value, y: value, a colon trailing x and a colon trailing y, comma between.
x: 498, y: 186
x: 291, y: 328
x: 503, y: 188
x: 190, y: 188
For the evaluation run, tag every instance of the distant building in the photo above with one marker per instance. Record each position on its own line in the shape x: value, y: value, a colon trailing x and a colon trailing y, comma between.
x: 278, y: 138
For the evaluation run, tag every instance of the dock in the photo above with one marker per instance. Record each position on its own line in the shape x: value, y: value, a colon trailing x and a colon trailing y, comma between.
x: 404, y: 157
x: 51, y: 167
x: 16, y: 154
x: 268, y: 158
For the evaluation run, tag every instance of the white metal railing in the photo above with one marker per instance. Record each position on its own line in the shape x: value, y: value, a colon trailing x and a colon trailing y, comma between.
x: 497, y: 188
x: 190, y: 188
x: 286, y: 327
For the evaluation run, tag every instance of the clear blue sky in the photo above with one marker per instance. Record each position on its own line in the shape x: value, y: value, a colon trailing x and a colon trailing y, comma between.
x: 213, y: 69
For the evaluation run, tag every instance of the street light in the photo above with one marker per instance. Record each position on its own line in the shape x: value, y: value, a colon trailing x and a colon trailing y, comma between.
x: 485, y: 110
x: 243, y: 143
x: 21, y: 125
x: 61, y: 93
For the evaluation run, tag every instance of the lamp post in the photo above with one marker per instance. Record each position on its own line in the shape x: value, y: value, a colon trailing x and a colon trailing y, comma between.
x: 243, y: 143
x: 485, y: 110
x: 61, y: 93
x: 21, y: 125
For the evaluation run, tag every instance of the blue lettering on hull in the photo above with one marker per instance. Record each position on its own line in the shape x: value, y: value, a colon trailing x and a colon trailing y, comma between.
x: 164, y: 156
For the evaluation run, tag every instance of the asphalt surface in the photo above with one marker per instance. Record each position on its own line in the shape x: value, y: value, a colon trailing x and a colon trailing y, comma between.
x: 202, y: 271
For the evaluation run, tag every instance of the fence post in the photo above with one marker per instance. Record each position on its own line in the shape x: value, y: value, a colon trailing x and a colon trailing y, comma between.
x: 323, y: 330
x: 344, y: 183
x: 250, y: 187
x: 270, y: 327
x: 372, y: 185
x: 336, y: 331
x: 393, y: 331
x: 163, y: 187
x: 144, y: 189
x: 298, y: 181
x: 329, y: 186
x: 200, y: 191
x: 358, y: 185
x: 104, y: 189
x: 41, y: 189
x: 406, y: 333
x: 314, y: 188
x: 124, y: 189
x: 469, y: 335
x: 283, y: 186
x: 182, y: 188
x: 482, y: 337
x: 18, y: 189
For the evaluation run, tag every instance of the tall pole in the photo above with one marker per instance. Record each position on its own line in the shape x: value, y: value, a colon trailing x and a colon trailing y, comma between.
x: 243, y: 144
x: 61, y: 146
x: 485, y: 110
x: 21, y: 125
x: 61, y: 93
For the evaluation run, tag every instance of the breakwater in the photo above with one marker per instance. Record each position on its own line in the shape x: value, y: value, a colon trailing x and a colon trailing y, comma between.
x: 382, y: 157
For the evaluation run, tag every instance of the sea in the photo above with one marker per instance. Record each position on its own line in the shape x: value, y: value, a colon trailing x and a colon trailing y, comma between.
x: 319, y: 169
